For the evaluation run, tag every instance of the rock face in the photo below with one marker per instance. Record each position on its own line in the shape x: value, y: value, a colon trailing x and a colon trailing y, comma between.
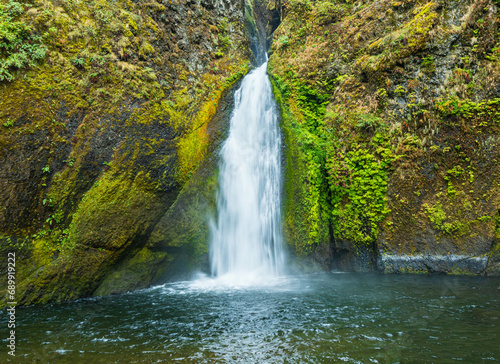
x: 390, y: 111
x: 108, y: 130
x: 112, y: 113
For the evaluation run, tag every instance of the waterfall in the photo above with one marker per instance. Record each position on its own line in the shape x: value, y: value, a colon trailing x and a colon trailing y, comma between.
x: 245, y: 239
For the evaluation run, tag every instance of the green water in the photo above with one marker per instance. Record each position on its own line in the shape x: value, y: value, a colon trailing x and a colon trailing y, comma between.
x: 325, y: 318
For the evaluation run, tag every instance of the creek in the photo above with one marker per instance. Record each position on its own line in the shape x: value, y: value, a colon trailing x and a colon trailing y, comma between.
x: 319, y: 318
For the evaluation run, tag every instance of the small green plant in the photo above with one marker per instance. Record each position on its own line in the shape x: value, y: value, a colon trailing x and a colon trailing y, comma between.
x: 283, y: 41
x: 455, y: 172
x: 14, y: 243
x: 428, y: 65
x: 70, y: 162
x: 400, y: 91
x: 224, y: 42
x: 368, y: 122
x: 382, y: 97
x: 223, y: 25
x: 78, y: 62
x: 326, y: 12
x: 8, y: 123
x: 451, y: 189
x: 435, y: 214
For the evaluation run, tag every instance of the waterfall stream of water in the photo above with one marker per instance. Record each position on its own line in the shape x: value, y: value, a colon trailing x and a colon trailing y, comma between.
x: 245, y: 239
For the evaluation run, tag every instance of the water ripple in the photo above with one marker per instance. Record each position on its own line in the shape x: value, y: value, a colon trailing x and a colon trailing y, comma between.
x: 306, y: 319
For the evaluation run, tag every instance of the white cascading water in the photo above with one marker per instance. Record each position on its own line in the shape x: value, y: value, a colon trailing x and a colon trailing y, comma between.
x: 246, y: 241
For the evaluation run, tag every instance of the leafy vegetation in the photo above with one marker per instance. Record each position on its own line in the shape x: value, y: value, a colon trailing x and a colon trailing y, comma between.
x: 21, y: 45
x: 378, y: 150
x: 344, y: 189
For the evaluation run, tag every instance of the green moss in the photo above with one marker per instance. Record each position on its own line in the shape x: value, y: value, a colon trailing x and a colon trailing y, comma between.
x: 137, y: 272
x: 480, y: 111
x: 497, y: 228
x: 406, y: 40
x: 183, y: 231
x: 306, y: 188
x: 193, y: 144
x: 114, y: 212
x: 344, y: 190
x: 456, y: 224
x: 436, y: 214
x: 20, y: 45
x: 118, y: 110
x: 460, y: 272
x: 359, y: 201
x: 436, y: 151
x: 413, y: 271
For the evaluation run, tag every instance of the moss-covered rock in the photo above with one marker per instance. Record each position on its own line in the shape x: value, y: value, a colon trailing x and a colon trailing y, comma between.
x: 390, y: 116
x: 137, y: 272
x: 178, y: 243
x: 100, y: 133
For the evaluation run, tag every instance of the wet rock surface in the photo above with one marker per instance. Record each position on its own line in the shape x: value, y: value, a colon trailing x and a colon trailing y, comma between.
x: 391, y: 123
x: 97, y: 141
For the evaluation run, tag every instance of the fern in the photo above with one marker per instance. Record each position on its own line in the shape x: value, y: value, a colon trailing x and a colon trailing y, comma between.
x: 20, y: 46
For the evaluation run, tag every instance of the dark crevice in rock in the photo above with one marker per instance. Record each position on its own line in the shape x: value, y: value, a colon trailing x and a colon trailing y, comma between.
x: 266, y: 19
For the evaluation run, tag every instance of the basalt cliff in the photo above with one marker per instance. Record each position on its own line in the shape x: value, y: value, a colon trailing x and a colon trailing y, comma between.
x: 391, y: 111
x: 112, y: 114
